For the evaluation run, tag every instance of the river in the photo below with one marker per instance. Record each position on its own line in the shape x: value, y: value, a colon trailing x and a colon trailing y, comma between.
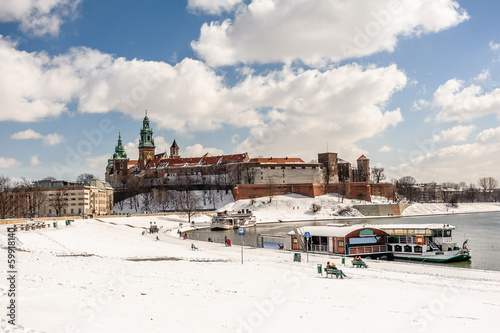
x: 481, y: 229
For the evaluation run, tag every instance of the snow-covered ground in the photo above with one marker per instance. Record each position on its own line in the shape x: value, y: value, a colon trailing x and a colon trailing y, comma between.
x: 440, y: 208
x: 104, y: 275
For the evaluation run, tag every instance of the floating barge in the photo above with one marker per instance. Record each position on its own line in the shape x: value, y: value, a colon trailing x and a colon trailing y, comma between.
x: 422, y: 242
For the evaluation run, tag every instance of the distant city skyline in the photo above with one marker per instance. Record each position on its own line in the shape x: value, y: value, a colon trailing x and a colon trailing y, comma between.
x: 411, y: 84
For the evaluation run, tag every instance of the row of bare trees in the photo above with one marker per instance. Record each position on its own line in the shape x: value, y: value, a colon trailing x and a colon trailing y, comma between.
x: 20, y: 199
x: 486, y: 190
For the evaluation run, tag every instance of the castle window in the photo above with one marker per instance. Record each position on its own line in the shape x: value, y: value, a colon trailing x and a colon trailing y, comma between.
x: 121, y: 165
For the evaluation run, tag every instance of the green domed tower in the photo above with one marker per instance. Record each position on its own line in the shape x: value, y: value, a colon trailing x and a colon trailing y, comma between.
x: 146, y: 143
x: 119, y: 162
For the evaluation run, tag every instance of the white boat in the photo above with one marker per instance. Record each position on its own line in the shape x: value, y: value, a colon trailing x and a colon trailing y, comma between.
x: 232, y: 220
x: 424, y: 242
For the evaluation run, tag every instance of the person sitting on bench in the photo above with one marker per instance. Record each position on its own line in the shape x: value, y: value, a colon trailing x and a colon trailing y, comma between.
x: 340, y: 271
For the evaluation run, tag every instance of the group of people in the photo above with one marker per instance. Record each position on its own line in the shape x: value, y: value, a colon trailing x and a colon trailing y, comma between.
x: 332, y: 266
x: 358, y: 258
x: 227, y: 241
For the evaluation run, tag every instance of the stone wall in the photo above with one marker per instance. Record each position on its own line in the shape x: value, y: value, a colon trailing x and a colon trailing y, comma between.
x: 381, y: 210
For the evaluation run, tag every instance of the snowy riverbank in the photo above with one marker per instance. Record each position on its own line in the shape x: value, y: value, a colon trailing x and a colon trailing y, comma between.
x: 105, y: 276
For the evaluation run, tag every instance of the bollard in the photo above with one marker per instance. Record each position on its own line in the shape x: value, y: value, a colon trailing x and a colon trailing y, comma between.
x: 343, y: 261
x: 320, y: 269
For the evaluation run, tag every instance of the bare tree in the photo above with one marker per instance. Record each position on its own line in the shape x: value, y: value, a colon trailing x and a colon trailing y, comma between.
x: 6, y: 197
x: 378, y: 174
x: 86, y: 178
x: 248, y: 173
x: 406, y: 187
x: 60, y: 201
x: 147, y: 199
x: 212, y: 198
x: 188, y: 203
x: 272, y: 189
x: 471, y: 193
x: 162, y: 199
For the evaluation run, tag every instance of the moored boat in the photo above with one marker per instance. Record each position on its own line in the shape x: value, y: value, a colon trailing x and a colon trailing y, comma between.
x: 232, y: 220
x: 425, y: 242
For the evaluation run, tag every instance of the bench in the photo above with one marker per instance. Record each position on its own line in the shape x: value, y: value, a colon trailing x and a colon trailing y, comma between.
x: 359, y: 263
x: 332, y: 272
x: 193, y: 247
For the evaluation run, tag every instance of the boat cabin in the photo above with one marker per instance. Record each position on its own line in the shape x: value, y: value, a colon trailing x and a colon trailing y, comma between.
x: 345, y: 240
x: 419, y: 238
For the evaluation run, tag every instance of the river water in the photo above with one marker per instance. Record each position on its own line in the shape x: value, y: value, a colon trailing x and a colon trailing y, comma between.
x: 481, y: 229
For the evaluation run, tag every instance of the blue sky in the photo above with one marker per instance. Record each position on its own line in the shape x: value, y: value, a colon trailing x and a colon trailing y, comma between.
x: 410, y: 84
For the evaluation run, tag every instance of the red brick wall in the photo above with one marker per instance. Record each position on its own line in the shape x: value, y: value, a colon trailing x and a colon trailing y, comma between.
x: 386, y: 190
x: 350, y: 190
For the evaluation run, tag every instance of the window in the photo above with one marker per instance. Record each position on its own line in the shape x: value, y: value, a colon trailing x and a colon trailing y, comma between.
x: 341, y: 243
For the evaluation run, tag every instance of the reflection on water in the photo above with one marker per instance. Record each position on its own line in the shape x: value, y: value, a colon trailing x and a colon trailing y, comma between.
x: 482, y: 231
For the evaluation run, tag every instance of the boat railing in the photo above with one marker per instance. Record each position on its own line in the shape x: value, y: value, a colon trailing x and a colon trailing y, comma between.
x: 368, y: 249
x: 320, y: 248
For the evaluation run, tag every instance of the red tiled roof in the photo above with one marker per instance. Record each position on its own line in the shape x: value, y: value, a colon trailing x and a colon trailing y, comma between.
x: 362, y: 157
x: 206, y: 159
x: 279, y: 160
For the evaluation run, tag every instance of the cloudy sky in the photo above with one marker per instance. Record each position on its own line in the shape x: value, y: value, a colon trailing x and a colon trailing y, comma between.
x: 412, y: 84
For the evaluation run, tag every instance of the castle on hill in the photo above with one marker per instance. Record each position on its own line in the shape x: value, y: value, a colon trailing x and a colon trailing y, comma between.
x: 235, y: 170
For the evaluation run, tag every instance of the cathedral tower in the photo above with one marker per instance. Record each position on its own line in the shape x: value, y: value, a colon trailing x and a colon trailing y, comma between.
x: 119, y: 162
x: 146, y: 143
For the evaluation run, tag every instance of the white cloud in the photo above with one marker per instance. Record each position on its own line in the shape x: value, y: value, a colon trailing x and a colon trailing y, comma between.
x: 48, y: 140
x: 95, y: 164
x: 494, y: 47
x: 280, y: 108
x: 38, y: 17
x: 132, y: 150
x: 198, y: 150
x: 454, y: 102
x: 313, y: 107
x: 483, y: 76
x: 27, y: 134
x: 318, y: 31
x: 385, y: 149
x: 52, y: 139
x: 213, y: 6
x: 34, y: 160
x: 455, y: 163
x: 455, y: 134
x: 8, y: 162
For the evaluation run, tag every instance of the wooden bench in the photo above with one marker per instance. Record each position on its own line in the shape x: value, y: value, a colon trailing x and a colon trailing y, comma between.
x: 359, y: 263
x: 332, y: 272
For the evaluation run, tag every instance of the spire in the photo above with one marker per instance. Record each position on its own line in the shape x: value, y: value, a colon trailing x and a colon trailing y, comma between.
x: 119, y: 149
x: 174, y: 150
x: 146, y: 133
